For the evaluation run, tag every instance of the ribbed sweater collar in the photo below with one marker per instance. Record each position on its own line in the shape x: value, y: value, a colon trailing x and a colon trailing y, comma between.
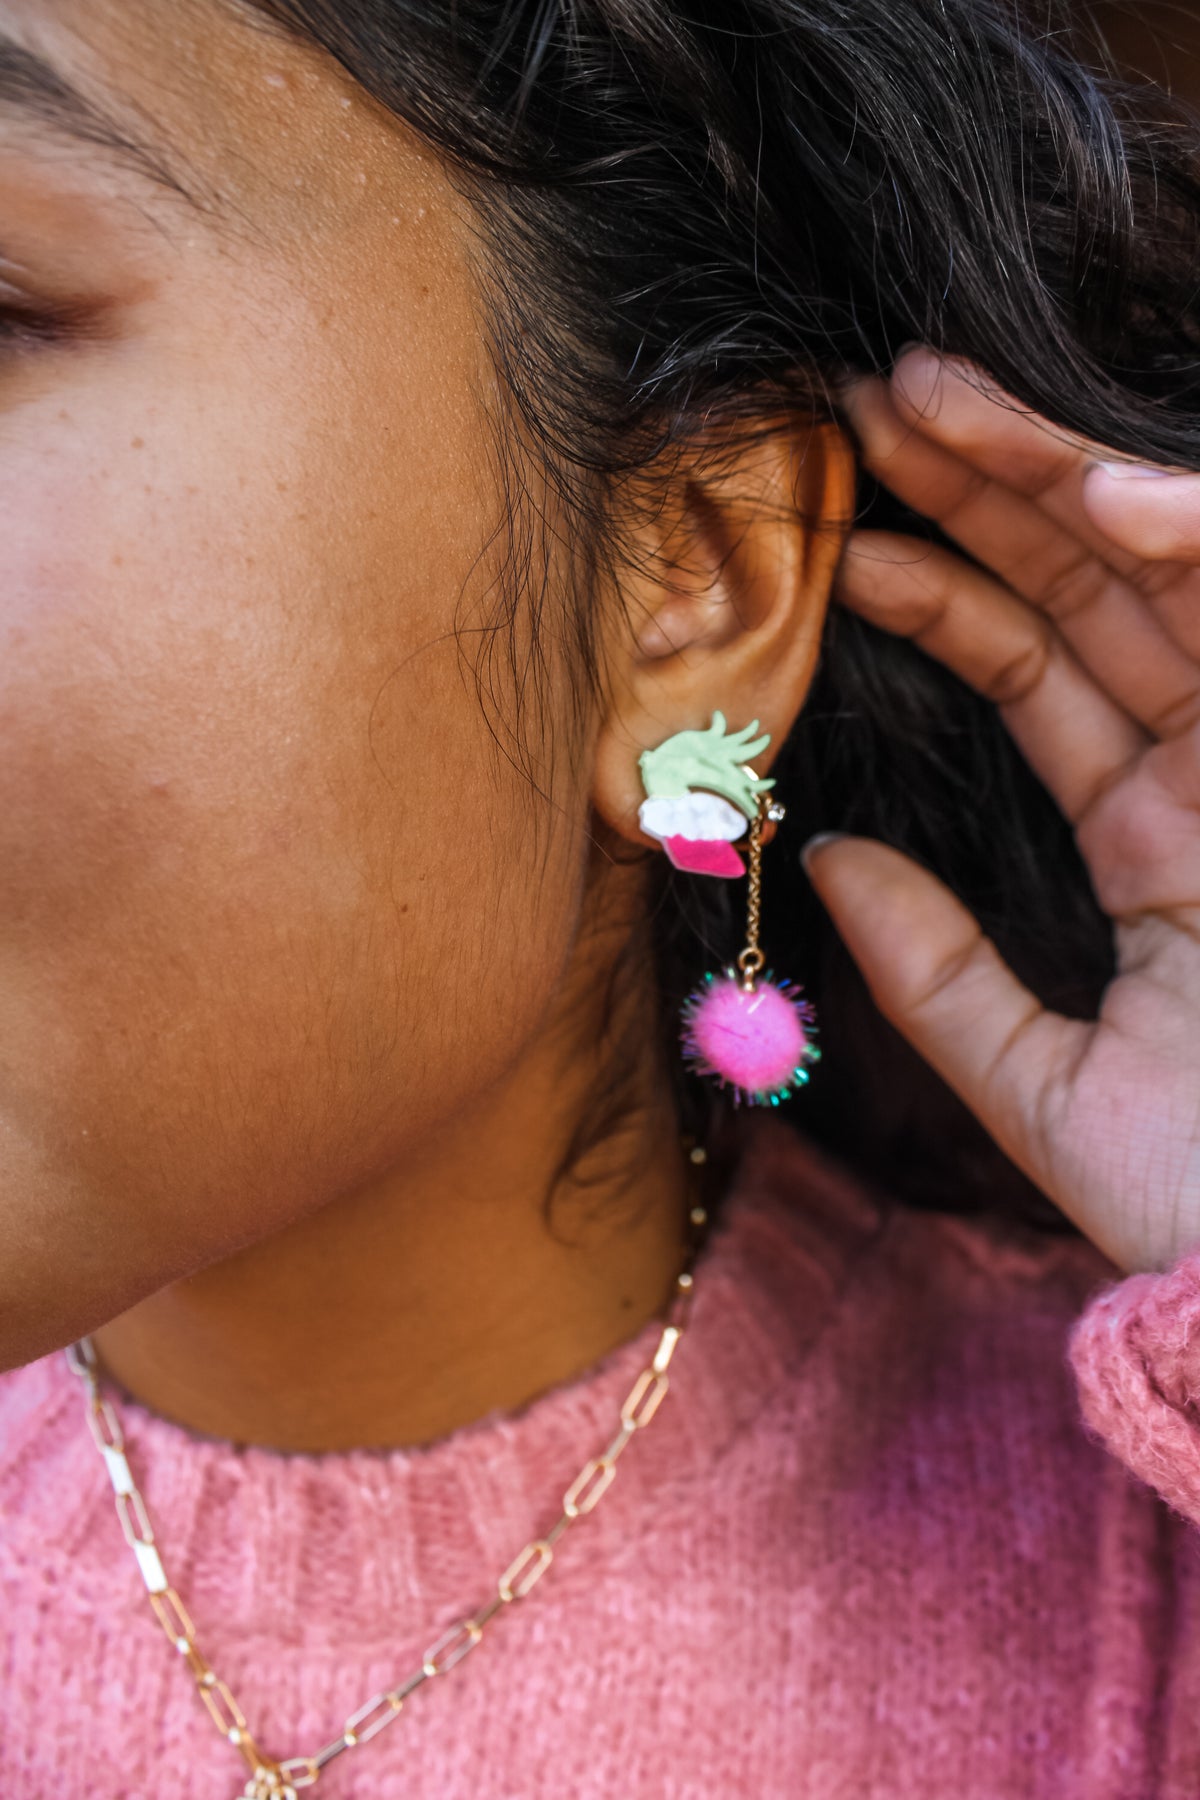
x: 362, y: 1545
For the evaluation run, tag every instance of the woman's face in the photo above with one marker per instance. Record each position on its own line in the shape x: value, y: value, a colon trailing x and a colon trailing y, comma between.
x: 264, y: 873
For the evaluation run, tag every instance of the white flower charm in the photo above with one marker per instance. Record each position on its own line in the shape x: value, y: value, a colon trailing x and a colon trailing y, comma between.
x: 697, y: 830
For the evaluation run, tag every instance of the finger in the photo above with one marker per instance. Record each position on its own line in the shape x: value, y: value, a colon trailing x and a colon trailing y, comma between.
x: 944, y: 986
x: 1146, y: 511
x: 1071, y: 733
x: 954, y: 404
x: 1141, y: 841
x: 1108, y: 624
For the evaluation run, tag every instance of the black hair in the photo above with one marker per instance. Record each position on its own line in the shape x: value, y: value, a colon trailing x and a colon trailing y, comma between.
x: 695, y: 210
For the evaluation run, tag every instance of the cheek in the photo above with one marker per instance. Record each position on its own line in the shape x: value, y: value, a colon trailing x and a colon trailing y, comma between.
x: 247, y: 804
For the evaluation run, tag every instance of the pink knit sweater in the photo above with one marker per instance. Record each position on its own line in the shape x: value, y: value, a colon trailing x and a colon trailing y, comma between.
x: 873, y: 1547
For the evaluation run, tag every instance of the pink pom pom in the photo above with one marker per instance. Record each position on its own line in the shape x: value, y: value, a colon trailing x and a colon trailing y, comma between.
x: 757, y: 1043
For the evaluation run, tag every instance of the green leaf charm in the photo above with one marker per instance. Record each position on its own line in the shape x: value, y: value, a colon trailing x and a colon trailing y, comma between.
x: 709, y: 759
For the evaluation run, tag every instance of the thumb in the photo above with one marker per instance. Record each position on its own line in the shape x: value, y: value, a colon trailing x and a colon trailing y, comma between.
x: 1151, y: 512
x: 944, y: 986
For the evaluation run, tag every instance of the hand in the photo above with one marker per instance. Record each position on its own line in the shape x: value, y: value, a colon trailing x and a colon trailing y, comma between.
x: 1085, y: 631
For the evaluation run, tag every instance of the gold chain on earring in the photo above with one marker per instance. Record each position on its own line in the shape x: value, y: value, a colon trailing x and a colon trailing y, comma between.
x: 751, y: 959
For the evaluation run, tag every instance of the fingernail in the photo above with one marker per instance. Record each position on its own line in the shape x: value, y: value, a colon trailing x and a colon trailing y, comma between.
x: 929, y: 399
x: 1124, y: 471
x: 815, y: 843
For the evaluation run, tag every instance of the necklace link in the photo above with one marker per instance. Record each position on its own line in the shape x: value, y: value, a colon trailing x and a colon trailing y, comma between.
x: 270, y: 1780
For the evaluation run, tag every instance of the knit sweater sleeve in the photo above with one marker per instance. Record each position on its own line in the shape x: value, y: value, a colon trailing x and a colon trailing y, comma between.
x: 1135, y: 1352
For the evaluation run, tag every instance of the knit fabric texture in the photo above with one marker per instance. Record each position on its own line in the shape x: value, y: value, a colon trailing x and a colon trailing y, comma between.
x: 892, y: 1533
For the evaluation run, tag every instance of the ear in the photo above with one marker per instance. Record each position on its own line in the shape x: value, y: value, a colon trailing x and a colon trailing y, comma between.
x: 725, y: 604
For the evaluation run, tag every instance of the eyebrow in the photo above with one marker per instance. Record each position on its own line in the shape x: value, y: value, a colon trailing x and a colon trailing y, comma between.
x: 33, y: 90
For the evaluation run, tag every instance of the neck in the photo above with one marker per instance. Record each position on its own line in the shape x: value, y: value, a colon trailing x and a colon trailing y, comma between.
x: 491, y: 1266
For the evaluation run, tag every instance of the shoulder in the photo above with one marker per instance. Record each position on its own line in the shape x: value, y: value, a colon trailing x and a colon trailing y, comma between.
x: 937, y: 1407
x: 925, y: 1268
x: 922, y: 1501
x: 946, y: 1333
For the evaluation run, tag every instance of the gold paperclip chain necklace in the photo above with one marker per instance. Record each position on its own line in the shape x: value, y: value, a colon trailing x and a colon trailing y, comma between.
x: 271, y: 1780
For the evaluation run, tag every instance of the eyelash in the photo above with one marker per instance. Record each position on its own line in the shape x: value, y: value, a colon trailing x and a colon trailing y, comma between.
x: 19, y: 327
x: 20, y: 324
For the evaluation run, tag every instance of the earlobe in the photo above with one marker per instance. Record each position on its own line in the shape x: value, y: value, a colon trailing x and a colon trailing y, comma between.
x: 725, y: 611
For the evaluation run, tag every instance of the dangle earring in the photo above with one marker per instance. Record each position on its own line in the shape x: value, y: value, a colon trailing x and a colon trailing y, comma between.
x: 752, y: 1033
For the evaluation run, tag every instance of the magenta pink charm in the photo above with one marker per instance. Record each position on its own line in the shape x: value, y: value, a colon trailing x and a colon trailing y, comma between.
x: 756, y: 1041
x: 704, y: 856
